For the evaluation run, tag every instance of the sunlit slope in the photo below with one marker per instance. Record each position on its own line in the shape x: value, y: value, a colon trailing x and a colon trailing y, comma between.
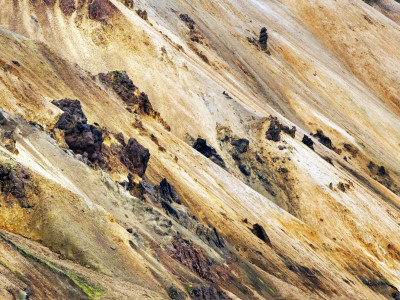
x: 333, y: 66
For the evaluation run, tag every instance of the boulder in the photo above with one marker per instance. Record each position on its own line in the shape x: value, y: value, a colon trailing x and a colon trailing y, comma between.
x: 259, y: 231
x: 80, y: 137
x: 135, y: 157
x: 241, y: 145
x: 308, y: 142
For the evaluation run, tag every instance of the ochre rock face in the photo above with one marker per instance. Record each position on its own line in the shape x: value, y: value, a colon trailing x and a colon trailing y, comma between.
x: 199, y: 149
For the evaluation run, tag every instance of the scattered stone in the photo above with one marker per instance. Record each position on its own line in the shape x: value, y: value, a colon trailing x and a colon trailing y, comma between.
x: 208, y: 293
x: 263, y: 38
x: 289, y: 131
x: 142, y: 14
x: 245, y: 169
x: 341, y: 187
x: 168, y: 192
x: 135, y: 157
x: 129, y: 4
x: 175, y: 294
x: 252, y: 40
x: 79, y: 136
x: 226, y: 95
x: 323, y: 139
x: 283, y: 170
x: 113, y: 248
x: 188, y: 20
x: 280, y: 147
x: 259, y: 231
x: 308, y: 142
x: 350, y: 148
x: 382, y: 171
x: 204, y: 148
x: 274, y: 131
x: 241, y: 145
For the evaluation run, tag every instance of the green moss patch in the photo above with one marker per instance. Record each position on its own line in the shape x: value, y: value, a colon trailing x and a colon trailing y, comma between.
x: 93, y: 291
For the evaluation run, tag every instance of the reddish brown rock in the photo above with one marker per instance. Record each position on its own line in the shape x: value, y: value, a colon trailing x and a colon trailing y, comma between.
x: 67, y: 6
x: 135, y: 157
x: 101, y: 10
x: 187, y: 254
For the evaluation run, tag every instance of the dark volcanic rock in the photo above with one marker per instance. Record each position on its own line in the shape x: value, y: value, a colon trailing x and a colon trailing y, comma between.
x: 101, y: 10
x: 245, y: 170
x: 127, y: 91
x: 135, y: 157
x: 79, y: 136
x: 188, y: 255
x: 259, y: 231
x: 241, y: 145
x: 274, y: 131
x: 308, y: 142
x: 290, y: 131
x: 208, y: 293
x: 204, y: 148
x: 175, y: 294
x: 67, y: 6
x: 169, y: 209
x: 168, y: 192
x: 263, y: 38
x: 323, y: 139
x: 188, y: 20
x: 128, y: 3
x: 142, y: 14
x: 14, y: 180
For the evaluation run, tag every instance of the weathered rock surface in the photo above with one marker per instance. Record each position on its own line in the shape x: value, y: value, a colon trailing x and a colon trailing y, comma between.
x: 208, y: 293
x: 188, y: 255
x: 81, y: 138
x: 260, y: 232
x: 204, y: 148
x: 129, y: 93
x: 135, y: 157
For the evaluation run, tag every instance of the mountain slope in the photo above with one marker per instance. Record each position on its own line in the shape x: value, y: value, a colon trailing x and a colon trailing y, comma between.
x: 329, y: 214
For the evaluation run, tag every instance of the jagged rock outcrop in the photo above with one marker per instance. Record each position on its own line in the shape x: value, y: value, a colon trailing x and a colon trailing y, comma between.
x: 308, y: 142
x: 135, y: 157
x: 188, y: 255
x: 101, y: 10
x: 80, y: 137
x: 14, y: 180
x: 128, y: 92
x: 208, y: 151
x: 263, y: 38
x: 260, y: 232
x: 323, y: 139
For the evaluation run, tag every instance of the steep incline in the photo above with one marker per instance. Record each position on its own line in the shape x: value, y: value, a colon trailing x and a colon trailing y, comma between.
x: 330, y: 214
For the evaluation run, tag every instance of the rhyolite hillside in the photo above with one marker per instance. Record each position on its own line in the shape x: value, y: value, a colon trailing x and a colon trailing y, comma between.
x: 183, y: 149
